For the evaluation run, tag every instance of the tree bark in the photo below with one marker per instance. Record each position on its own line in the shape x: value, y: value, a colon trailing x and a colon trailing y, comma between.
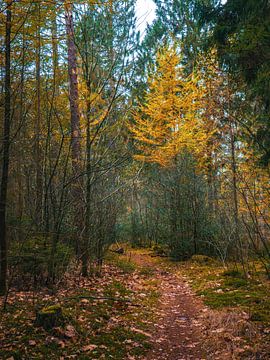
x: 73, y: 90
x: 37, y: 147
x: 74, y: 122
x: 235, y: 197
x: 6, y: 157
x: 86, y: 242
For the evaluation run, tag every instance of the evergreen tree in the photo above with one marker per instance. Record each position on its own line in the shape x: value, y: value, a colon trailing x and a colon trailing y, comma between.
x: 241, y: 33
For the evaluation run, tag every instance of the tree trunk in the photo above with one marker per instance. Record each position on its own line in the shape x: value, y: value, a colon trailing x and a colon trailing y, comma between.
x: 37, y: 147
x: 21, y: 135
x: 235, y: 197
x: 55, y: 55
x: 73, y: 91
x: 86, y: 241
x: 6, y: 148
x: 75, y: 121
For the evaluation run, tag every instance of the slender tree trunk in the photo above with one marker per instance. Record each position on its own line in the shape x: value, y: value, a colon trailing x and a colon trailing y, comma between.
x: 75, y: 120
x: 55, y: 55
x: 6, y: 157
x: 21, y: 136
x: 86, y: 241
x: 195, y: 208
x: 174, y: 211
x: 37, y: 148
x: 56, y: 220
x: 235, y: 197
x: 73, y: 91
x: 210, y: 192
x: 232, y: 131
x: 234, y: 180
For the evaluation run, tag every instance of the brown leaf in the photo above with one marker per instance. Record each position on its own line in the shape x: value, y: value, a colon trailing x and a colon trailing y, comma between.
x: 85, y: 301
x: 70, y: 331
x: 141, y: 332
x: 61, y: 343
x: 89, y: 347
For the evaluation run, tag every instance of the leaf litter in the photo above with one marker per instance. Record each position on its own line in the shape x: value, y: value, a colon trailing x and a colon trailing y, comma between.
x: 142, y: 314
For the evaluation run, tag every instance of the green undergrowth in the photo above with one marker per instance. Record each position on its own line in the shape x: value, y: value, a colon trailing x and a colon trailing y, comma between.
x: 122, y: 262
x: 230, y: 288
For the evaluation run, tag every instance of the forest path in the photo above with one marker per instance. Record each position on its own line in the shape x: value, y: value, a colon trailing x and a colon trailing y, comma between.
x: 176, y: 334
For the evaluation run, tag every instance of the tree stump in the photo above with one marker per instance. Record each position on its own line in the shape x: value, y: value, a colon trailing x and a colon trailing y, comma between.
x: 49, y: 317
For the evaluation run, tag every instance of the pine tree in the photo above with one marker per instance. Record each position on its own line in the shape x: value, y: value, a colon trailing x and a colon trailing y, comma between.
x: 240, y: 31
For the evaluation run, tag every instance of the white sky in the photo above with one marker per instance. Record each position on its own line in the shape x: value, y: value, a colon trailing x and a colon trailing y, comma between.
x: 145, y: 12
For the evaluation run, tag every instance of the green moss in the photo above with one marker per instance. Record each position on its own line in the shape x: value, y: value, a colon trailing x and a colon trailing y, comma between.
x: 203, y: 259
x: 114, y: 344
x: 122, y: 262
x: 126, y: 266
x: 116, y: 289
x: 50, y: 349
x: 51, y: 309
x: 230, y: 288
x: 225, y: 299
x: 235, y: 283
x: 16, y: 354
x: 147, y: 271
x: 257, y: 316
x: 233, y: 273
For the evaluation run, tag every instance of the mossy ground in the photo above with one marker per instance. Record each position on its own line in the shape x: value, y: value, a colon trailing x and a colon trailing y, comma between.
x: 230, y: 288
x: 103, y: 327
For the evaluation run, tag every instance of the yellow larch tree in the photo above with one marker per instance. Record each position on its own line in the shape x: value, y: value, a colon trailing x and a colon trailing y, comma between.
x: 169, y: 120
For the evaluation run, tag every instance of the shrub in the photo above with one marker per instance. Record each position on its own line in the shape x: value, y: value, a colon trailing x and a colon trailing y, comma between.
x: 161, y: 250
x: 37, y: 260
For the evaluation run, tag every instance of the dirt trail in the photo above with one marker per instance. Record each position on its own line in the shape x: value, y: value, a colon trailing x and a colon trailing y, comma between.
x: 177, y: 333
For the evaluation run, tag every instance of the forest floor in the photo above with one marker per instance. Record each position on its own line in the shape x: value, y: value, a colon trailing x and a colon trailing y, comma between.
x: 143, y: 307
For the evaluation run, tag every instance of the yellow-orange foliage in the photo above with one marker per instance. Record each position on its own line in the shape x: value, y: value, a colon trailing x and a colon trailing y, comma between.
x: 169, y: 121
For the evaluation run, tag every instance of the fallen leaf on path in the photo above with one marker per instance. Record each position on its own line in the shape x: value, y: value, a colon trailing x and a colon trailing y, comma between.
x: 218, y: 331
x: 141, y: 332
